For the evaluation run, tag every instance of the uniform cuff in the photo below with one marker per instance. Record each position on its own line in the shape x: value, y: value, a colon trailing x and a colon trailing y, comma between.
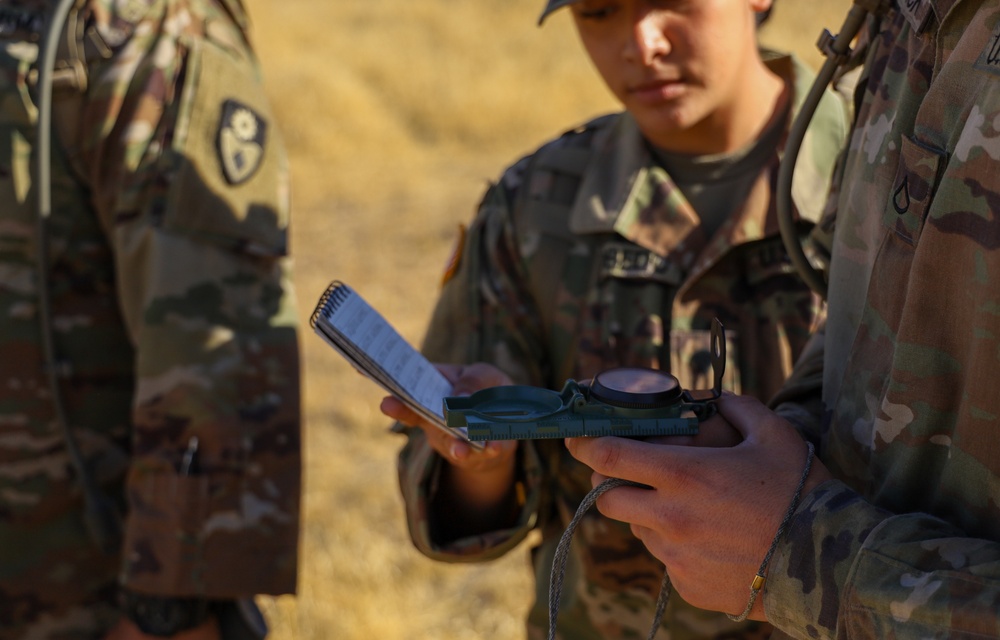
x: 218, y: 535
x: 418, y: 480
x: 812, y: 564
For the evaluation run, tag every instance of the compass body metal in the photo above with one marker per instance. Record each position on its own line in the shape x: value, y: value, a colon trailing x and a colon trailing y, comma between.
x: 627, y: 401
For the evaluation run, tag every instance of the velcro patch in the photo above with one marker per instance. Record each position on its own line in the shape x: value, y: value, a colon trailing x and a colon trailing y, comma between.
x: 989, y: 59
x: 18, y: 23
x: 628, y: 261
x: 242, y: 135
x: 764, y: 260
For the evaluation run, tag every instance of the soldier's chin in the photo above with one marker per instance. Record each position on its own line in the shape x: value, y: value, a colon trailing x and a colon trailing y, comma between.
x: 664, y: 125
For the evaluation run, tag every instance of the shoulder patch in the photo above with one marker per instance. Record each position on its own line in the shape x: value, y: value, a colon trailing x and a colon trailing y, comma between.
x: 455, y: 261
x: 242, y: 136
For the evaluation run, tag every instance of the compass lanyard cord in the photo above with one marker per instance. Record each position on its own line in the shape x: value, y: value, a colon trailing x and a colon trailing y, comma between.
x: 562, y: 552
x: 837, y: 49
x: 100, y: 516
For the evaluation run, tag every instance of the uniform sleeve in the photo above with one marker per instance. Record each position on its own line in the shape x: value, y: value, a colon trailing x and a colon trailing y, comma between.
x: 848, y: 569
x: 800, y: 398
x: 483, y: 314
x: 189, y: 177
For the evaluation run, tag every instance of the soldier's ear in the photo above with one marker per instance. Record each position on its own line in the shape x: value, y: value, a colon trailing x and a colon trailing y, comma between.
x: 760, y: 6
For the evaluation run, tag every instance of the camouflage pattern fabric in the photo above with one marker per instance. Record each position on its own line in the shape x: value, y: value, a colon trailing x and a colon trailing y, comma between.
x: 906, y: 542
x: 585, y: 257
x: 173, y: 316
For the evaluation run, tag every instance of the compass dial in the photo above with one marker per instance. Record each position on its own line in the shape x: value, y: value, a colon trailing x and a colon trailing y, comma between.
x: 636, y: 388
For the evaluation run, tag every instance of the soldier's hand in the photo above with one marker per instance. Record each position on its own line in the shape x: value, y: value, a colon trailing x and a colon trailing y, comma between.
x: 713, y: 511
x: 465, y: 379
x: 476, y: 487
x: 126, y: 630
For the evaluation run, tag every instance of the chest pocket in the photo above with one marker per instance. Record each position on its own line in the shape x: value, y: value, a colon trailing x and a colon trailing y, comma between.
x: 628, y: 320
x: 626, y: 315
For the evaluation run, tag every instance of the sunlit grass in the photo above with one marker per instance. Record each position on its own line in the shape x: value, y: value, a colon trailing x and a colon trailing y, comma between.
x: 396, y: 113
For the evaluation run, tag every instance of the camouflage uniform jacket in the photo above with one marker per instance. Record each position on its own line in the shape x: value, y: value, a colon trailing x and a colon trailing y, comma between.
x: 584, y: 257
x: 172, y: 314
x: 906, y: 542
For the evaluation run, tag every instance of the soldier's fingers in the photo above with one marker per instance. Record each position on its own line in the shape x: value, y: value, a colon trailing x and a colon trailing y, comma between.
x: 463, y: 455
x: 451, y: 372
x: 395, y: 408
x: 460, y: 452
x: 477, y: 376
x: 653, y: 542
x: 633, y: 505
x: 625, y: 458
x: 441, y: 443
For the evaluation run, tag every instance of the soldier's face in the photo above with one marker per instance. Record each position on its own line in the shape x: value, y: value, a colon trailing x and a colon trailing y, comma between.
x: 679, y: 66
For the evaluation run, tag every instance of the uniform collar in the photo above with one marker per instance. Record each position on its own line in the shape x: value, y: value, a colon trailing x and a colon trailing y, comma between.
x: 623, y: 190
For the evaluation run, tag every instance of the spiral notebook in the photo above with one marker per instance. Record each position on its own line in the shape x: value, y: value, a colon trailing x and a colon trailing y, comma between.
x: 365, y: 339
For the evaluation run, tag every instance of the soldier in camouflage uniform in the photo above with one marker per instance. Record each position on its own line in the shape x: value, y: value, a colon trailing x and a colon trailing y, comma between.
x: 606, y: 248
x: 172, y: 316
x: 898, y: 531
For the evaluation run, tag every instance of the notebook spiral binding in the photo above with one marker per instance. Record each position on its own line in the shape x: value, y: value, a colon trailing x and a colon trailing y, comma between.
x: 332, y: 298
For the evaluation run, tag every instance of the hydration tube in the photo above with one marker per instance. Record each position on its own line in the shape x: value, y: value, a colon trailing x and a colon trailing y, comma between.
x: 837, y: 49
x: 101, y: 517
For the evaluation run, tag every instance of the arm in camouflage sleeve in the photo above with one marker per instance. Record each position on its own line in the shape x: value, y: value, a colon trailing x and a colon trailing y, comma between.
x: 485, y: 312
x: 848, y: 568
x: 799, y: 399
x: 844, y: 568
x: 880, y: 575
x: 189, y: 178
x: 482, y: 314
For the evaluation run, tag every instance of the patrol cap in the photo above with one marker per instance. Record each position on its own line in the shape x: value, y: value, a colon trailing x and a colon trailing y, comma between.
x: 551, y: 6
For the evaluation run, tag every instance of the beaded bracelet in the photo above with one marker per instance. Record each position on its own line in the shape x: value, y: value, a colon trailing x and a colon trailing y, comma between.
x: 758, y: 580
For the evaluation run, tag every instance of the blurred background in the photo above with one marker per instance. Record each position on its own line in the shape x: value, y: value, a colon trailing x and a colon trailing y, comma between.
x: 396, y: 114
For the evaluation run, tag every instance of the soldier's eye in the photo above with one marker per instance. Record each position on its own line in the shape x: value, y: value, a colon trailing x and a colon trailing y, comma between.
x: 594, y: 11
x: 671, y: 4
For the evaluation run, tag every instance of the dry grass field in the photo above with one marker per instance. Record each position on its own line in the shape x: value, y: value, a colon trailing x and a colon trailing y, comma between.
x: 396, y: 113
